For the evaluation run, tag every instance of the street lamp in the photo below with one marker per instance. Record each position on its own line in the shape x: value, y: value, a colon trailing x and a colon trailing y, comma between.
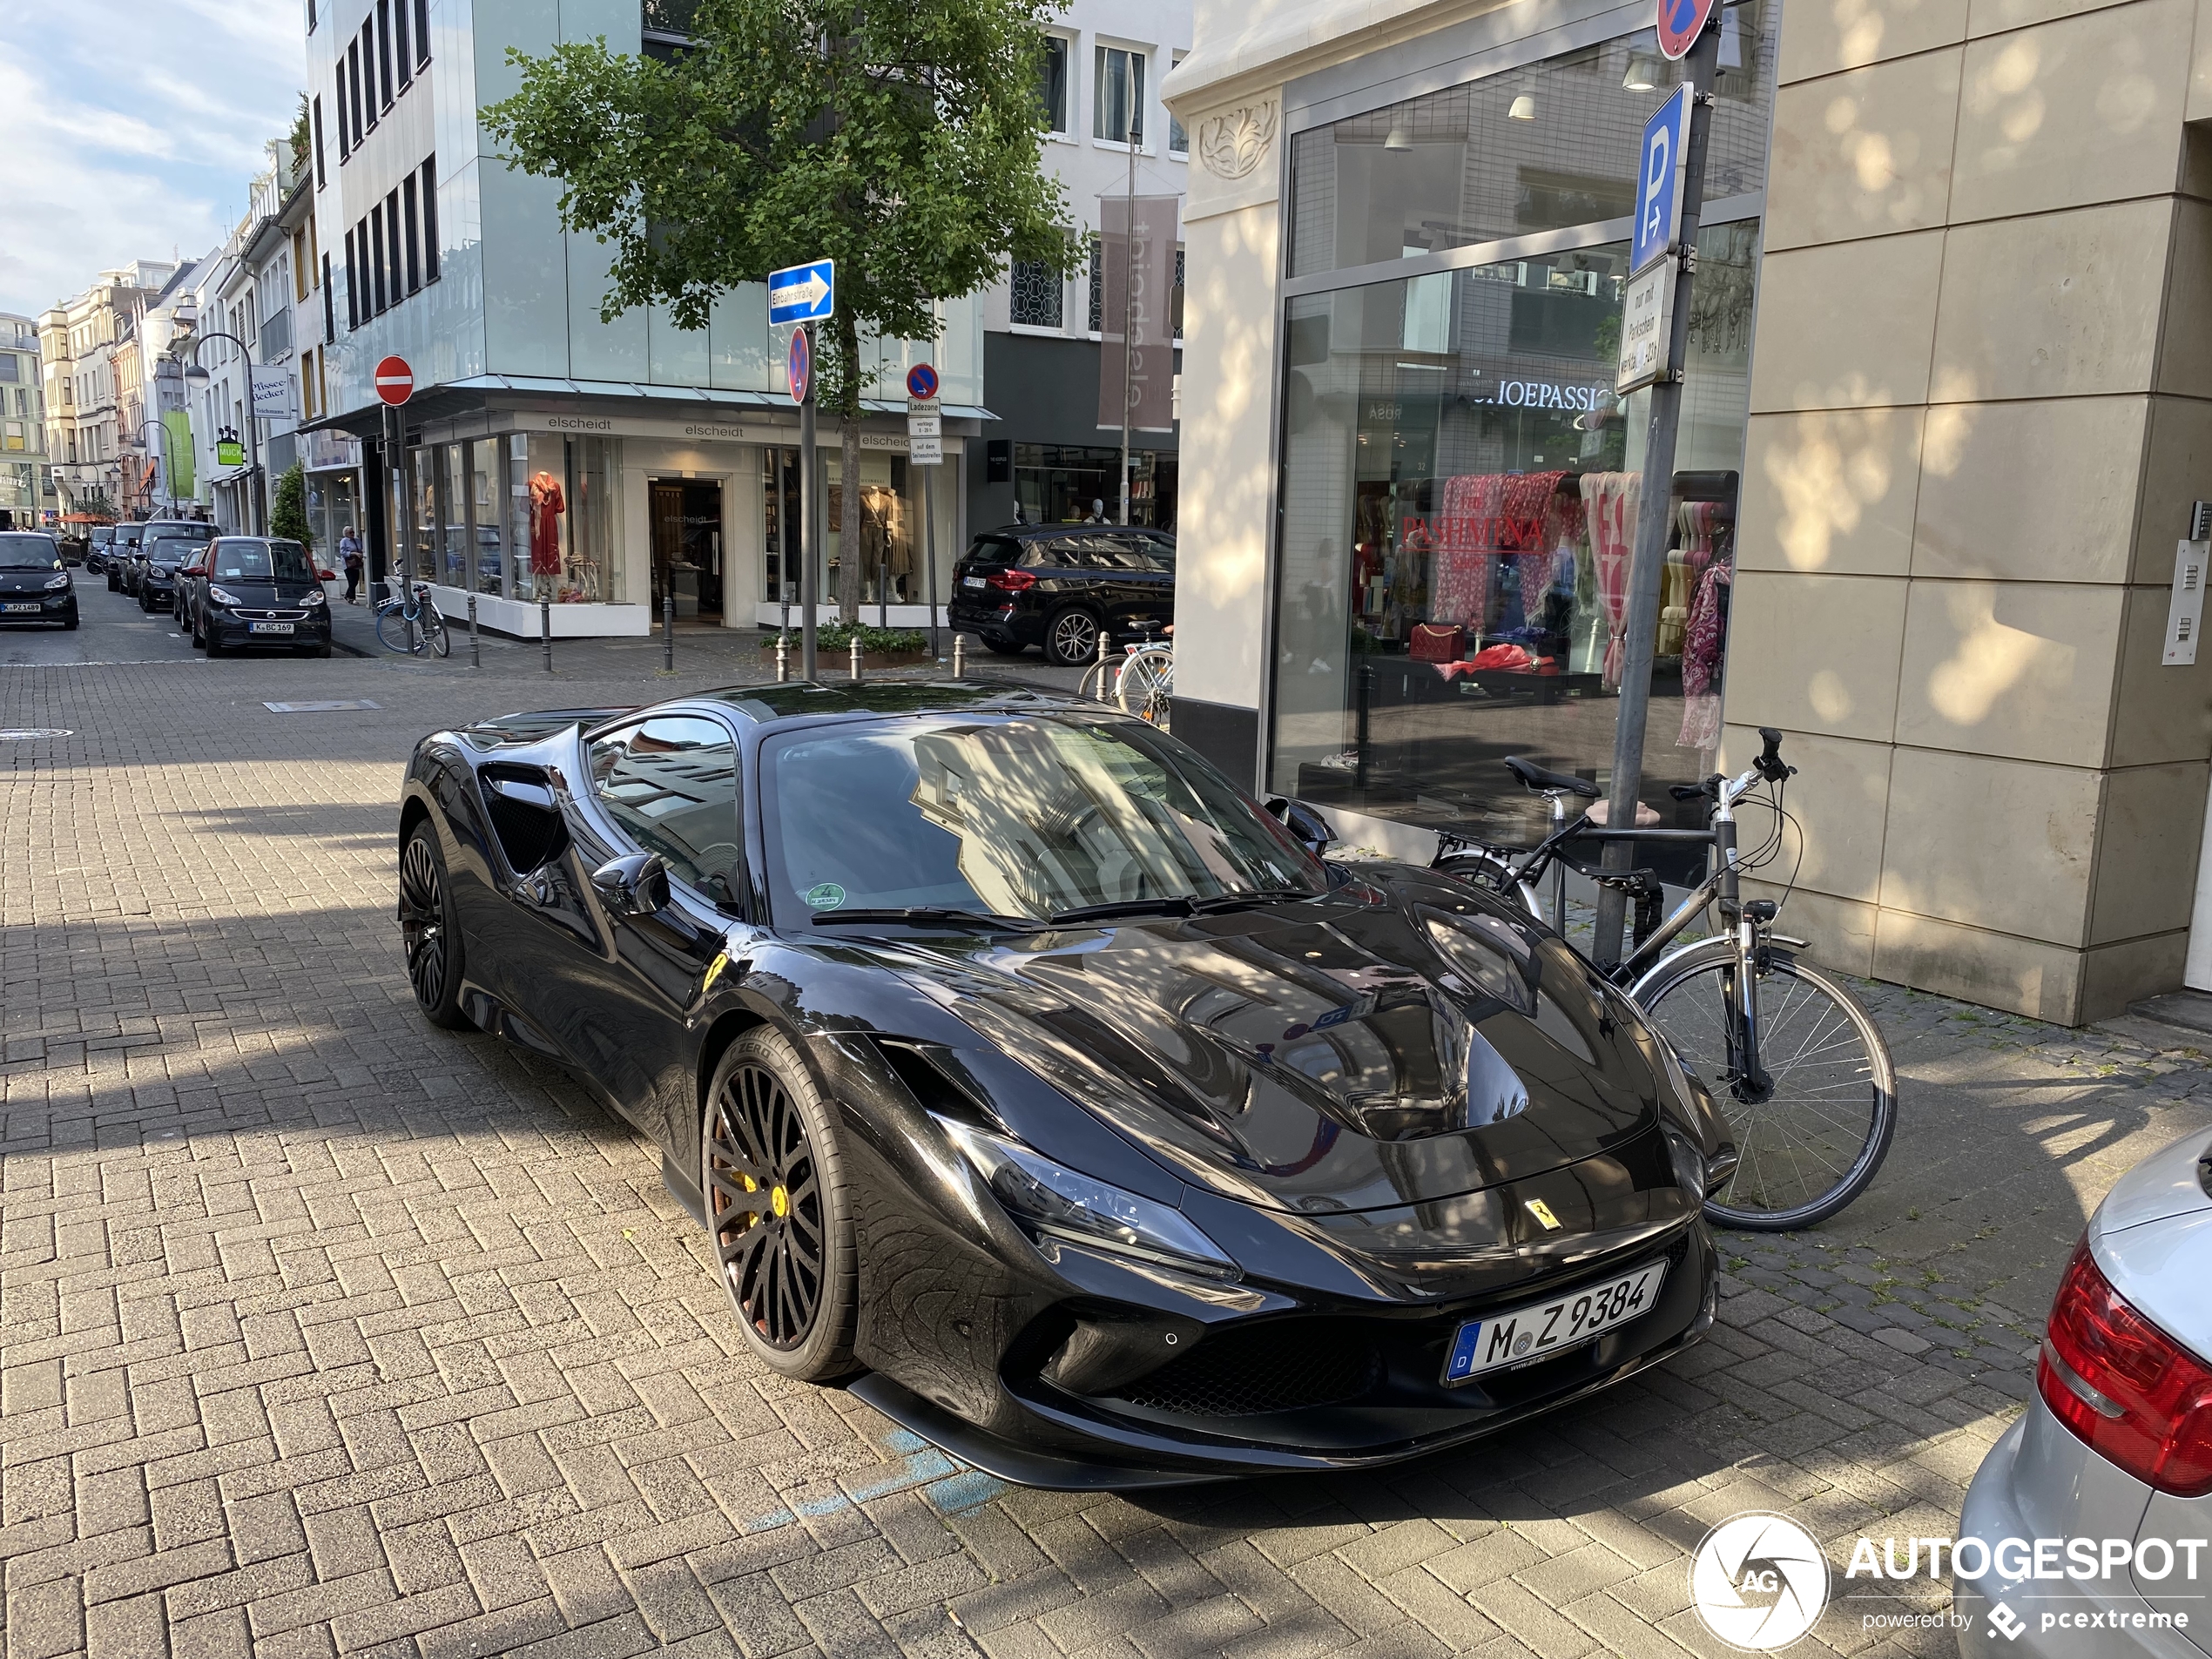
x: 197, y: 376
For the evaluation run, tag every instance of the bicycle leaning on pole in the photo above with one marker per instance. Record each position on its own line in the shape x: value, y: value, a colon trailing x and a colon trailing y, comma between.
x: 411, y: 623
x: 1796, y: 1065
x: 1143, y: 683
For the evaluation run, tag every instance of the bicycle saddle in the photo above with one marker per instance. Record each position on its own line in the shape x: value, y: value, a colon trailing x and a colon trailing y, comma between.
x: 1536, y: 777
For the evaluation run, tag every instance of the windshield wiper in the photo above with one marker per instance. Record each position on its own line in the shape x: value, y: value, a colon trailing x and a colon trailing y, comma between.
x: 930, y: 915
x: 1168, y: 905
x: 1238, y: 900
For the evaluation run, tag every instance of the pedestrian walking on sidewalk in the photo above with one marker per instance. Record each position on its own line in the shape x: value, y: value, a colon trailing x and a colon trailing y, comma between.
x: 349, y: 552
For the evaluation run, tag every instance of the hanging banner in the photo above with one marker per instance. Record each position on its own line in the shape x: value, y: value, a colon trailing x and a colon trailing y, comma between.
x: 177, y: 450
x: 1136, y: 259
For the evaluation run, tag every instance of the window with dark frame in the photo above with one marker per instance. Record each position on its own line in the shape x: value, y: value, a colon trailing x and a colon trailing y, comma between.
x: 400, y: 53
x: 1052, y: 84
x: 351, y: 92
x: 368, y: 67
x: 421, y: 33
x: 329, y: 305
x: 315, y: 121
x: 384, y: 49
x: 353, y: 284
x: 392, y: 243
x: 414, y: 234
x: 1034, y: 295
x: 377, y: 259
x: 431, y: 219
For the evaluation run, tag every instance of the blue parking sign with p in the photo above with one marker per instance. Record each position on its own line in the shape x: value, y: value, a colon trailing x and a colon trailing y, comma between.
x: 1660, y: 174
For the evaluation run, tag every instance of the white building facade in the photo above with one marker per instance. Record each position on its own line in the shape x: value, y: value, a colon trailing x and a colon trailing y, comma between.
x: 548, y: 457
x: 26, y: 490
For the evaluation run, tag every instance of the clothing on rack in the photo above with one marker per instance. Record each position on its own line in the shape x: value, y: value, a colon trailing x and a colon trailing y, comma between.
x: 1701, y: 658
x: 1610, y: 501
x: 547, y: 504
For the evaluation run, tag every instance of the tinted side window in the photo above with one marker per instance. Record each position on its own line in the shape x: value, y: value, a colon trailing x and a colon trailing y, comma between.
x: 671, y: 785
x: 995, y: 550
x: 1157, y: 552
x: 1055, y: 553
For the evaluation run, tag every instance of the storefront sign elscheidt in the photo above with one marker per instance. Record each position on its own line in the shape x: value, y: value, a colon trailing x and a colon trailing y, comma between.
x: 1647, y: 329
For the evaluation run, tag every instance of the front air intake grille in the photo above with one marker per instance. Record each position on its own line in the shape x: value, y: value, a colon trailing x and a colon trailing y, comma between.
x: 1284, y: 1367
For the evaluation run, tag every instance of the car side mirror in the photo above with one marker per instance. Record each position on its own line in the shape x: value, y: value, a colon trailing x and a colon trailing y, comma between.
x: 635, y: 886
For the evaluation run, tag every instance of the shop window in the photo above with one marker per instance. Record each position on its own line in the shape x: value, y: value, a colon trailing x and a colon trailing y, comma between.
x: 1533, y: 148
x: 1052, y: 84
x: 1035, y: 295
x: 454, y: 526
x: 561, y: 520
x: 1062, y: 483
x: 487, y: 513
x: 1117, y: 95
x: 1460, y: 488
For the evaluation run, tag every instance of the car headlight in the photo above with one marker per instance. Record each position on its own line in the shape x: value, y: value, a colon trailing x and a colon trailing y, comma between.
x: 60, y: 580
x: 313, y: 597
x: 220, y: 596
x: 1052, y: 1200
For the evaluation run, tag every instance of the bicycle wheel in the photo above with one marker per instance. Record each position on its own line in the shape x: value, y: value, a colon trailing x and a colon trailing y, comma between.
x: 392, y: 631
x: 1146, y: 685
x: 1817, y: 1140
x: 1092, y: 686
x: 433, y: 629
x: 1491, y: 872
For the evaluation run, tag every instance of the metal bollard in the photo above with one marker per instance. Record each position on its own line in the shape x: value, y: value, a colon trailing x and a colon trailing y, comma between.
x: 960, y: 656
x: 668, y: 633
x: 783, y: 659
x: 545, y: 628
x: 856, y: 655
x: 883, y: 595
x: 476, y: 650
x: 1103, y: 695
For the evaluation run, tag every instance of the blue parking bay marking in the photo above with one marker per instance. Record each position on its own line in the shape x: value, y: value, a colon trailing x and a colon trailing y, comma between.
x: 946, y: 1485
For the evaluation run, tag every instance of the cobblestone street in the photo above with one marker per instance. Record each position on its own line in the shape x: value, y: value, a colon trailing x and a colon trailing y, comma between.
x: 324, y: 1331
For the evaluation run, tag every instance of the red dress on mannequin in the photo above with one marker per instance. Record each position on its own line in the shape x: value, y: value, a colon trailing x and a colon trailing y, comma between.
x: 547, y: 504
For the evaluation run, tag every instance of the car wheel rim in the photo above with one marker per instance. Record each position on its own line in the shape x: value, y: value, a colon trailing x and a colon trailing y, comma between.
x: 1077, y: 637
x: 764, y: 1193
x: 423, y: 923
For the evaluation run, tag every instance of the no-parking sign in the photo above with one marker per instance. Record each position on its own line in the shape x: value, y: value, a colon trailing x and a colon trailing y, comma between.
x: 1680, y: 24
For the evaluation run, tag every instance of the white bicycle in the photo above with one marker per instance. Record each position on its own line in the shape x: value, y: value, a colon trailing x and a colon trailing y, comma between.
x: 1145, y: 687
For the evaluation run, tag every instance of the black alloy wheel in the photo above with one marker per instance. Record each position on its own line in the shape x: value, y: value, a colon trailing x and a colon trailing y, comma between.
x: 778, y: 1211
x: 426, y: 926
x: 1071, y: 639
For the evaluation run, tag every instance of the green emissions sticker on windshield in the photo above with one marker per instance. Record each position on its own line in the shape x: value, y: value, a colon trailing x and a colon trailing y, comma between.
x: 825, y: 895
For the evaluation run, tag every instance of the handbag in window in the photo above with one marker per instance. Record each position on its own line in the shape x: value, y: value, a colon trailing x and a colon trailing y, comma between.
x: 1437, y: 642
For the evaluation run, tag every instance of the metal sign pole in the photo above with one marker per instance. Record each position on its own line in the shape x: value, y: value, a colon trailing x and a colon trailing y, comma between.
x: 1654, y: 515
x: 1128, y: 294
x: 809, y: 515
x: 929, y: 552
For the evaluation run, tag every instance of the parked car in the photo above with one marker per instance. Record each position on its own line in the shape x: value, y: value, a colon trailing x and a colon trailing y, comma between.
x: 165, y: 548
x: 1057, y: 585
x: 123, y: 552
x: 2116, y: 1443
x: 1013, y: 1056
x: 35, y: 586
x: 258, y: 590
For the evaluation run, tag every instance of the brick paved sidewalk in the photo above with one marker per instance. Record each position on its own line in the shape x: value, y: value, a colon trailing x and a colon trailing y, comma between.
x: 322, y: 1330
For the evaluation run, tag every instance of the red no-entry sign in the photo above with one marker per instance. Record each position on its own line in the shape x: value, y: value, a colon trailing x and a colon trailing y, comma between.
x: 395, y: 380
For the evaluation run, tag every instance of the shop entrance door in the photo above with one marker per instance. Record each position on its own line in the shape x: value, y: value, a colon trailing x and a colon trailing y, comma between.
x: 686, y: 514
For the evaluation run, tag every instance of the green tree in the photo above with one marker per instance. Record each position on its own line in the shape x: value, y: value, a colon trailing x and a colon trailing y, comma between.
x: 288, y: 517
x: 901, y: 141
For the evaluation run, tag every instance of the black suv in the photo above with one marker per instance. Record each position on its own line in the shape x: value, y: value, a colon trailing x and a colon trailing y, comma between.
x: 1057, y: 585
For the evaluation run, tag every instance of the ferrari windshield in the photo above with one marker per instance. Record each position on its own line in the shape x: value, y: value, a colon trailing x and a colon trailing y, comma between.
x: 1023, y: 815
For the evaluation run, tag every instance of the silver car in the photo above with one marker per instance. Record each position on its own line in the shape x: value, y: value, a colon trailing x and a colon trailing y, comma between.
x: 2096, y: 1508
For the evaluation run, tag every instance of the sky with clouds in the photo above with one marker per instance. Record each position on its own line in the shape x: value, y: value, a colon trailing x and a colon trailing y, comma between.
x: 130, y: 129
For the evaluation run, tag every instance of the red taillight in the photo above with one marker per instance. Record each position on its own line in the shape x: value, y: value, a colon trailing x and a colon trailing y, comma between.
x: 2136, y: 1396
x: 1010, y: 581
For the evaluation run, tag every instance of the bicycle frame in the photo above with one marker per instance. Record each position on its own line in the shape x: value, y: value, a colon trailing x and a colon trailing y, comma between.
x: 1749, y: 925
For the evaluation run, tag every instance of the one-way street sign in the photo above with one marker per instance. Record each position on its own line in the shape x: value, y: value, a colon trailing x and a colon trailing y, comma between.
x: 803, y: 293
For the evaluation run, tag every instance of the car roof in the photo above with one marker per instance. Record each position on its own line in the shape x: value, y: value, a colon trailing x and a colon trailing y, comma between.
x: 1046, y: 532
x: 813, y: 700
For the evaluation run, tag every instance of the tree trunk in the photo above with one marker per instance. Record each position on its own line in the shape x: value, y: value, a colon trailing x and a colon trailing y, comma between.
x: 852, y: 557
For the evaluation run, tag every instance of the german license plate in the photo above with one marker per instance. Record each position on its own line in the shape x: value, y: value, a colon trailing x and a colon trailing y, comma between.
x: 268, y: 627
x: 13, y: 610
x: 1538, y: 1331
x: 972, y: 582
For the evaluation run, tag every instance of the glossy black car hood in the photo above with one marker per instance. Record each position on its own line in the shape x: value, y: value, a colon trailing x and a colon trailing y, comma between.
x: 1399, y: 1041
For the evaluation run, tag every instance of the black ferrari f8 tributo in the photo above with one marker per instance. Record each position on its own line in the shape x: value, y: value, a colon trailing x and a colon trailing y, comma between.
x: 1039, y: 1083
